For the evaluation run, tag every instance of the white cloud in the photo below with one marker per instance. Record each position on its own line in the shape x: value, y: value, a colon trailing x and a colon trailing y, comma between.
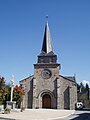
x: 86, y: 81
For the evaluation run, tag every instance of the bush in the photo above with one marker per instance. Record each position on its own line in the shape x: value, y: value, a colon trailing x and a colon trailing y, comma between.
x: 7, y: 110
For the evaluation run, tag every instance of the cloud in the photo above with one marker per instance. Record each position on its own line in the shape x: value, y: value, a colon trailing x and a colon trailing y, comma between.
x: 86, y: 81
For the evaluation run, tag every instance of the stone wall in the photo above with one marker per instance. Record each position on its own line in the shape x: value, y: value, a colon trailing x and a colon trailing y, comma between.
x: 68, y: 93
x: 63, y: 91
x: 43, y: 86
x: 27, y: 85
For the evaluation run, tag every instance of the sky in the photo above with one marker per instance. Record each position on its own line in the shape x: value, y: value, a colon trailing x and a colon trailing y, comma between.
x: 22, y: 24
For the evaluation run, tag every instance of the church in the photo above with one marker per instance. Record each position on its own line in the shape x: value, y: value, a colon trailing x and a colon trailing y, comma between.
x: 47, y: 88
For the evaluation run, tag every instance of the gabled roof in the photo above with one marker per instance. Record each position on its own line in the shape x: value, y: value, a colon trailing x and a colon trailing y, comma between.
x: 23, y: 80
x: 70, y: 78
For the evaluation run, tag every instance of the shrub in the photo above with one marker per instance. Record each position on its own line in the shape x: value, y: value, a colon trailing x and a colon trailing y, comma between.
x: 7, y: 110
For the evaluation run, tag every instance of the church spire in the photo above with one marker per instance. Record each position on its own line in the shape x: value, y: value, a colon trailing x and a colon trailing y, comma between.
x: 47, y: 42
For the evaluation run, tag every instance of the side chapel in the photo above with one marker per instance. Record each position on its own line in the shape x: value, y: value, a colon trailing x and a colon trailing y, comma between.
x: 47, y: 88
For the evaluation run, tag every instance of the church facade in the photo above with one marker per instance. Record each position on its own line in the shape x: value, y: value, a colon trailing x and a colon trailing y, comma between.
x: 47, y: 88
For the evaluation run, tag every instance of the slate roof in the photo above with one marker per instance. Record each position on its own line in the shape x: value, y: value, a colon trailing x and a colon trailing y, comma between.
x: 47, y: 42
x: 70, y: 78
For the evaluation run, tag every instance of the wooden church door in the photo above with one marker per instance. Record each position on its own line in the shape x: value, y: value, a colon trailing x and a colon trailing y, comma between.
x: 46, y: 101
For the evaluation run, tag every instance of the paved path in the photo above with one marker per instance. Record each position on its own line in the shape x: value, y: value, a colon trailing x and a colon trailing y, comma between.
x: 38, y: 114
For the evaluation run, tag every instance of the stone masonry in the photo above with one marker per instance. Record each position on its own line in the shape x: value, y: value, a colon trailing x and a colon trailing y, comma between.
x: 47, y: 88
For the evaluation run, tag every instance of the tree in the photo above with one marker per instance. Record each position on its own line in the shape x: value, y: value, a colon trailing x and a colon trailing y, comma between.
x: 5, y: 93
x: 2, y: 90
x: 81, y: 85
x: 78, y: 88
x: 87, y: 90
x: 87, y: 86
x: 8, y: 88
x: 83, y: 94
x: 18, y: 95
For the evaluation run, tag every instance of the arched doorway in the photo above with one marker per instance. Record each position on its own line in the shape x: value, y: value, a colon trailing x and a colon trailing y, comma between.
x: 46, y: 101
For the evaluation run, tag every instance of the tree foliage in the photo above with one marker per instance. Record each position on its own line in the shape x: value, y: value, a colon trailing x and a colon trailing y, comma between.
x: 78, y: 87
x: 87, y: 86
x: 18, y: 95
x: 8, y: 95
x: 83, y: 92
x: 5, y: 93
x: 2, y: 90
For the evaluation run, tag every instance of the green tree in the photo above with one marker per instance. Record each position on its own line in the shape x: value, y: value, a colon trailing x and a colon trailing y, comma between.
x: 81, y: 85
x: 87, y: 90
x: 87, y: 86
x: 8, y: 88
x: 78, y: 88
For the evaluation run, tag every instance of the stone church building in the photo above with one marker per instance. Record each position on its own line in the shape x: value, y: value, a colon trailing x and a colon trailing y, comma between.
x: 47, y: 88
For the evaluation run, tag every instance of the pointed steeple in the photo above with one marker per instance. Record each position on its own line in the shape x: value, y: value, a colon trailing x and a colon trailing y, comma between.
x: 47, y: 55
x: 47, y: 42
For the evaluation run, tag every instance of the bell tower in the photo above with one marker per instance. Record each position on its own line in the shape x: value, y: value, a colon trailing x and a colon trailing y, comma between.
x: 47, y: 55
x: 46, y: 72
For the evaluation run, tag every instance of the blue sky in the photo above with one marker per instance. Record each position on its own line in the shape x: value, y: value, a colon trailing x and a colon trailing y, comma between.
x: 22, y: 24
